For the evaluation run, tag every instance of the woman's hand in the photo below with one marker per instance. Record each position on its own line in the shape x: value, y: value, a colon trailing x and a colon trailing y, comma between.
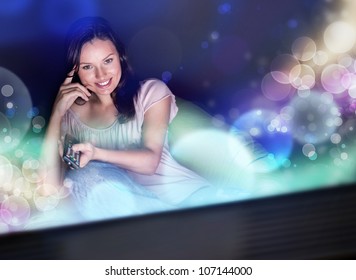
x: 68, y: 93
x: 87, y: 152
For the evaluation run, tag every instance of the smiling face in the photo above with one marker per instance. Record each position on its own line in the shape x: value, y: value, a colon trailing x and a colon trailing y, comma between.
x: 99, y: 66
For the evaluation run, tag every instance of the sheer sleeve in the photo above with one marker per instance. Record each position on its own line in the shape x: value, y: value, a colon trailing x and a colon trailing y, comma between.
x: 153, y: 91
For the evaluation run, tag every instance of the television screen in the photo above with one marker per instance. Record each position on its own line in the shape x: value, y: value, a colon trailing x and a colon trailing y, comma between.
x: 266, y: 96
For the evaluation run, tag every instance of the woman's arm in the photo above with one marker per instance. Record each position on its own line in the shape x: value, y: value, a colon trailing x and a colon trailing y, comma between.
x: 50, y: 155
x: 144, y: 160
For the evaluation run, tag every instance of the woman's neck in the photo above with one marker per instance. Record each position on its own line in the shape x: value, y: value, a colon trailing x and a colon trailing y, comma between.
x: 101, y: 100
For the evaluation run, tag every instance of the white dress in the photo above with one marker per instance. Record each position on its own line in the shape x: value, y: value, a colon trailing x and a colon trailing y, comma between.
x: 172, y: 183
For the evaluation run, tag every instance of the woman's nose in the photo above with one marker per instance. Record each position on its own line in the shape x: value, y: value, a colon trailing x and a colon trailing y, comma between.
x: 99, y: 73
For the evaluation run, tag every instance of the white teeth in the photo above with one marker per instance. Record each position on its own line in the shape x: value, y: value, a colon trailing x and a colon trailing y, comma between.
x: 104, y: 83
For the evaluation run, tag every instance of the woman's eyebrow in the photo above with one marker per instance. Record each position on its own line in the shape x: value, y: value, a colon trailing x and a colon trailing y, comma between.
x: 106, y: 57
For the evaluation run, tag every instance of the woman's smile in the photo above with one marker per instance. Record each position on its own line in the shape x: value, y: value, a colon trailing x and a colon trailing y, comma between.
x: 104, y: 84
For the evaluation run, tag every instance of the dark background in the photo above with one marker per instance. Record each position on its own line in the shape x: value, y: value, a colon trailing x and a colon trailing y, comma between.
x: 215, y: 52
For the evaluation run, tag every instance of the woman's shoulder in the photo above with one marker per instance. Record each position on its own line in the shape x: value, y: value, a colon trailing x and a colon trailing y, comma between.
x: 152, y: 90
x: 152, y: 84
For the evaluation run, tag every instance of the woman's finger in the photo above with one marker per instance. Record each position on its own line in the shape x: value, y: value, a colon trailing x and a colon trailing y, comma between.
x: 80, y: 147
x: 86, y: 150
x: 83, y: 89
x: 74, y: 93
x: 69, y: 77
x: 75, y: 86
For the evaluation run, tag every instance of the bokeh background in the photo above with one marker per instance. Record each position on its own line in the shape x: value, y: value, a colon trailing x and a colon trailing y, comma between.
x: 283, y: 72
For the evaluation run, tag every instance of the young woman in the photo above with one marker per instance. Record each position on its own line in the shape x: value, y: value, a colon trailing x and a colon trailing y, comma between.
x: 121, y: 125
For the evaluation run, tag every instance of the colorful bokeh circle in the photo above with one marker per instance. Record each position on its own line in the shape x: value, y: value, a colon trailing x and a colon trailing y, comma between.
x: 269, y: 130
x: 15, y: 102
x: 314, y: 118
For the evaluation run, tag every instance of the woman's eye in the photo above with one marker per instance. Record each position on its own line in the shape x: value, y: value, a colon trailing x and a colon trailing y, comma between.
x: 86, y: 67
x: 109, y: 60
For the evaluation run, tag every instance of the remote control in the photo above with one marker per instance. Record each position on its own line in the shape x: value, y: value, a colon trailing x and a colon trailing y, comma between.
x: 69, y: 156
